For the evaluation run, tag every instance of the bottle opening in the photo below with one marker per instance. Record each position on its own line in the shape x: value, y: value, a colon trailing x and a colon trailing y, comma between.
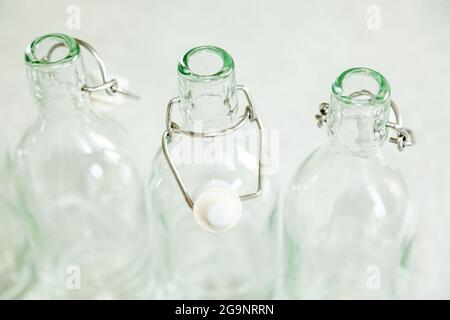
x: 51, y: 49
x: 206, y: 63
x: 361, y: 86
x: 207, y: 88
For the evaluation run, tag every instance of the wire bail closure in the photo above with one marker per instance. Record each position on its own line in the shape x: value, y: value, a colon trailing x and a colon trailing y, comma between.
x: 111, y: 86
x: 173, y: 128
x: 404, y: 136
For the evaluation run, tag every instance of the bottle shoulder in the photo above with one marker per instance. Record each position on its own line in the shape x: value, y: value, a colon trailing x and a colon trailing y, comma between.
x: 331, y: 189
x: 90, y: 151
x: 328, y: 163
x: 86, y: 135
x: 195, y: 174
x: 236, y: 167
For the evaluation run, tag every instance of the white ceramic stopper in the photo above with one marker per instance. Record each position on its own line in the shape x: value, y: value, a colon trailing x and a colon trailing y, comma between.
x: 217, y: 209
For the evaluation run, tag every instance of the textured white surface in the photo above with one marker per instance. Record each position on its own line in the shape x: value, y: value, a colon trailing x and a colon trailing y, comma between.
x: 287, y: 53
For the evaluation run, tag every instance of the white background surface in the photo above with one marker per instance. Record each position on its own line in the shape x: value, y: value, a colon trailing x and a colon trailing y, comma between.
x: 287, y: 53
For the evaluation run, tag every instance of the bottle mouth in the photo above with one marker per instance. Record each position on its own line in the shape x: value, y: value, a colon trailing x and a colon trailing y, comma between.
x: 361, y: 86
x: 206, y: 63
x: 51, y: 49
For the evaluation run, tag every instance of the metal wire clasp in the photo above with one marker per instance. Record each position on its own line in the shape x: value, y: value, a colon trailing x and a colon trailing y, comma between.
x: 404, y: 136
x: 173, y: 128
x: 110, y: 86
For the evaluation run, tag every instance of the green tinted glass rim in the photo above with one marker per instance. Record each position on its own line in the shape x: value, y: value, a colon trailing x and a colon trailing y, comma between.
x: 70, y: 43
x: 225, y: 71
x: 380, y: 97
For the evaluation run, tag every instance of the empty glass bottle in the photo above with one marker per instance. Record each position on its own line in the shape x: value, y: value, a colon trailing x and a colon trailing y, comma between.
x: 80, y: 183
x: 16, y: 272
x: 216, y: 228
x: 347, y: 221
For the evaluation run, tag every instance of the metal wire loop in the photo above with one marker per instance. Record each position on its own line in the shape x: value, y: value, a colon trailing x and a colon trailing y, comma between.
x: 404, y: 136
x: 173, y: 128
x: 109, y: 86
x: 250, y: 114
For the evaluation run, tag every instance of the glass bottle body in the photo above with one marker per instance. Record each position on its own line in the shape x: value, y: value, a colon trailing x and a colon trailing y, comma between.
x: 16, y: 271
x: 195, y: 263
x: 348, y: 222
x: 82, y: 188
x: 238, y: 263
x: 346, y: 227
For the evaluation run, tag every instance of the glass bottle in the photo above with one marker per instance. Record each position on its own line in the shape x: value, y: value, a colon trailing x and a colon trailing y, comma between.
x: 347, y: 221
x: 216, y: 234
x: 80, y: 183
x: 16, y: 272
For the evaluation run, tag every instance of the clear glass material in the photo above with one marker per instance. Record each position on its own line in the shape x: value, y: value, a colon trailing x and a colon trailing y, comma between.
x: 195, y: 263
x: 16, y: 272
x: 347, y: 220
x: 80, y: 185
x: 429, y: 275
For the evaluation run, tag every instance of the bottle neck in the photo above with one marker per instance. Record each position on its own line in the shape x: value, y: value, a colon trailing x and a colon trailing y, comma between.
x: 57, y: 85
x: 207, y: 88
x: 359, y: 111
x: 58, y: 91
